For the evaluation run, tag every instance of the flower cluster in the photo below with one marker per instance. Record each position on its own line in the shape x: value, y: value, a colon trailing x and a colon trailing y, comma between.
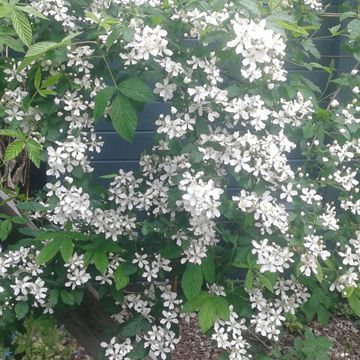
x: 229, y: 336
x: 239, y: 174
x: 262, y: 50
x: 289, y: 296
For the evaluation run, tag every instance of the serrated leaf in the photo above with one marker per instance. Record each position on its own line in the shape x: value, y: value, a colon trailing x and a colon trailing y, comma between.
x: 34, y: 149
x: 195, y: 303
x: 208, y: 269
x: 248, y: 280
x: 13, y: 150
x: 134, y: 326
x: 207, y: 315
x: 46, y: 92
x: 5, y: 229
x: 48, y: 252
x: 5, y: 10
x: 323, y: 315
x: 308, y: 130
x: 354, y: 29
x: 31, y: 11
x: 26, y: 62
x: 123, y: 116
x: 347, y: 15
x: 319, y: 272
x: 137, y: 90
x: 53, y: 297
x: 66, y: 249
x: 293, y: 28
x: 13, y: 133
x: 78, y: 295
x: 139, y: 352
x: 265, y: 282
x: 101, y: 261
x: 101, y: 100
x: 192, y: 280
x: 22, y: 27
x: 67, y: 39
x: 309, y: 46
x: 67, y: 297
x: 51, y: 80
x: 121, y: 280
x: 12, y: 43
x: 114, y: 35
x: 21, y: 310
x: 222, y: 307
x: 37, y: 79
x: 354, y: 303
x: 41, y: 48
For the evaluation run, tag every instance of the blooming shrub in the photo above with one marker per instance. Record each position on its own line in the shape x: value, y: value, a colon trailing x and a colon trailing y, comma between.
x: 250, y: 262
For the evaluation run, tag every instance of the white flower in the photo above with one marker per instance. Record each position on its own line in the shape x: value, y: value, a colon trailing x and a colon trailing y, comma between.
x: 165, y: 89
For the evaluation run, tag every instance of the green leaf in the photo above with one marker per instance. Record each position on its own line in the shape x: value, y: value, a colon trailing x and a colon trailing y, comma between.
x: 123, y: 116
x: 31, y: 11
x: 5, y: 10
x: 114, y: 35
x: 34, y: 149
x: 48, y: 252
x: 347, y: 15
x: 5, y: 229
x: 293, y: 28
x: 53, y: 297
x: 310, y: 47
x: 44, y: 93
x: 22, y: 27
x: 12, y: 43
x: 208, y: 269
x: 265, y: 281
x: 195, y: 303
x: 323, y: 315
x: 354, y: 303
x: 192, y: 280
x: 13, y: 133
x: 101, y: 100
x: 101, y: 261
x: 134, y: 326
x: 319, y: 275
x: 308, y: 130
x: 78, y: 295
x: 41, y: 48
x: 66, y: 249
x: 13, y: 149
x: 26, y: 62
x: 136, y: 90
x: 207, y: 315
x: 67, y: 39
x: 251, y: 6
x: 37, y: 80
x: 248, y: 280
x: 67, y: 297
x: 51, y: 80
x: 139, y: 352
x: 121, y: 280
x: 21, y: 310
x: 222, y: 307
x: 335, y: 29
x: 354, y: 29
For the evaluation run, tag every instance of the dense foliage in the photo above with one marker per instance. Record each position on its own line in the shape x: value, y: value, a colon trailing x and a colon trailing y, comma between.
x: 217, y: 223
